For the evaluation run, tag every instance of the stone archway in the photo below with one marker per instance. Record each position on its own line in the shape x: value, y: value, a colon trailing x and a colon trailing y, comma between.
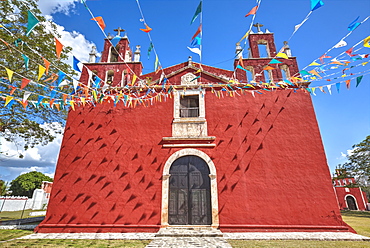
x: 213, y: 184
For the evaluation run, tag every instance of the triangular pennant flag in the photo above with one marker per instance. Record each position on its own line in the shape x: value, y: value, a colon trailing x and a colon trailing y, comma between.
x: 26, y: 95
x: 197, y: 12
x: 97, y: 82
x: 8, y: 99
x: 58, y: 47
x: 47, y: 64
x: 313, y: 64
x: 348, y: 83
x: 10, y: 74
x: 358, y: 80
x: 150, y: 48
x: 367, y: 42
x: 75, y: 64
x: 274, y: 61
x: 41, y: 72
x: 32, y: 21
x: 341, y: 43
x: 329, y: 88
x: 147, y: 29
x: 115, y: 40
x: 252, y: 11
x: 324, y: 57
x: 25, y: 81
x: 100, y: 21
x: 269, y: 68
x: 195, y: 50
x: 199, y: 30
x: 75, y: 84
x: 133, y: 79
x: 282, y: 55
x: 304, y: 73
x: 239, y: 66
x: 314, y: 73
x: 353, y: 25
x: 156, y: 62
x: 241, y: 62
x: 13, y: 88
x: 196, y: 41
x: 26, y: 60
x: 61, y: 76
x: 315, y: 4
x: 338, y: 86
x: 89, y: 72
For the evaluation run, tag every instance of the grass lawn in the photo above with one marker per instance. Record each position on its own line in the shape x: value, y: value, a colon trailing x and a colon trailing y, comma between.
x: 13, y: 215
x: 360, y: 221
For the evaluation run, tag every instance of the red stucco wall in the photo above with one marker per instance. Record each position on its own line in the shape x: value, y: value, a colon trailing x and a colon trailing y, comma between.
x: 271, y: 167
x: 360, y: 197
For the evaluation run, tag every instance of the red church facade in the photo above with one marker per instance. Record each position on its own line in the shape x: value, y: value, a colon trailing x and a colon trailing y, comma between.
x: 234, y: 160
x: 349, y: 196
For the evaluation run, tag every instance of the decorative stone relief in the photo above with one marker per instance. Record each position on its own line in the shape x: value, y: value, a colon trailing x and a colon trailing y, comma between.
x: 188, y: 79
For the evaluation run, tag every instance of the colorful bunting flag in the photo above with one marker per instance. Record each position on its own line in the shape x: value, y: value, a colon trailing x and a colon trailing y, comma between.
x: 282, y: 55
x: 32, y: 22
x: 274, y: 61
x: 25, y: 81
x: 47, y: 64
x: 150, y: 49
x: 196, y: 41
x: 348, y: 83
x: 358, y: 80
x: 197, y: 32
x: 313, y: 64
x: 115, y: 40
x: 197, y: 12
x: 26, y: 95
x: 147, y: 28
x: 100, y: 21
x: 353, y: 25
x: 8, y: 99
x: 252, y: 11
x: 341, y: 43
x: 75, y: 64
x: 367, y: 42
x: 41, y: 72
x: 10, y: 74
x: 269, y: 68
x: 58, y: 47
x: 196, y: 50
x: 26, y: 61
x: 338, y: 86
x: 315, y: 4
x: 156, y: 62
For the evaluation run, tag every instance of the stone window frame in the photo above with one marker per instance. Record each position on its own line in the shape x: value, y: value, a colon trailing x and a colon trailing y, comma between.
x: 177, y: 96
x: 166, y: 185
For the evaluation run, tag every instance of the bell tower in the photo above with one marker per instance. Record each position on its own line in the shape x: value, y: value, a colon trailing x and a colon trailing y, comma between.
x: 117, y: 65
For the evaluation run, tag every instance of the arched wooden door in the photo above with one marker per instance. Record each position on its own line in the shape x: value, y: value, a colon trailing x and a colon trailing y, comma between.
x: 351, y: 203
x: 190, y: 195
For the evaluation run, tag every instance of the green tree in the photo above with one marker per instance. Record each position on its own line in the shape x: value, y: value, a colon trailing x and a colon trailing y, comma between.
x: 358, y: 164
x: 25, y: 184
x: 15, y: 121
x: 3, y: 188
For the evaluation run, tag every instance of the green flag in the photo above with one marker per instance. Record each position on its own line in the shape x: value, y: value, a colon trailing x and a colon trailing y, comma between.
x: 32, y: 21
x: 358, y: 80
x: 150, y: 49
x: 197, y: 12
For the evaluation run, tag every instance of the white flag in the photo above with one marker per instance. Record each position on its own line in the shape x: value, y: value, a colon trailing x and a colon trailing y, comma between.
x: 341, y: 43
x: 196, y: 50
x: 26, y: 95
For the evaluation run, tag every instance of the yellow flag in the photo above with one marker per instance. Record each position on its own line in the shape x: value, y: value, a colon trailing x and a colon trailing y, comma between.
x: 133, y: 79
x: 10, y: 74
x: 313, y: 63
x: 7, y: 100
x: 282, y: 55
x: 245, y: 36
x: 367, y: 42
x: 41, y: 71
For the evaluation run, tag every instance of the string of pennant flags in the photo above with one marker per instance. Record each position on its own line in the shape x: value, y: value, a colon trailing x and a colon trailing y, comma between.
x: 134, y: 93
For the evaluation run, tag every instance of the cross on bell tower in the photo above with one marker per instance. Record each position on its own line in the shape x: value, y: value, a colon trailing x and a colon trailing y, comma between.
x: 258, y: 26
x: 118, y: 30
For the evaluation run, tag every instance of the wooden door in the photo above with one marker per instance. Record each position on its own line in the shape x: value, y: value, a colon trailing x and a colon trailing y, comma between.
x: 351, y: 203
x: 190, y: 195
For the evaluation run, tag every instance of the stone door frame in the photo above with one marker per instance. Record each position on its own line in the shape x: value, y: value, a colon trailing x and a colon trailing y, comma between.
x: 166, y: 185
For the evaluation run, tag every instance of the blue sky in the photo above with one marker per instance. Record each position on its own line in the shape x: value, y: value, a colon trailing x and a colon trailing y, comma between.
x: 344, y: 118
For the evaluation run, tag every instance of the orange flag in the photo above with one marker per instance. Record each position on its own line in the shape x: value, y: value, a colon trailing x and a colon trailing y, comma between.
x: 269, y: 68
x: 100, y: 21
x: 25, y: 81
x: 147, y: 28
x: 348, y: 83
x: 198, y: 32
x: 58, y: 47
x: 253, y: 11
x: 47, y: 64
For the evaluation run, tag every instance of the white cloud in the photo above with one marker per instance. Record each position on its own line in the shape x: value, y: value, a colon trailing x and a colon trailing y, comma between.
x: 48, y: 7
x: 40, y: 158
